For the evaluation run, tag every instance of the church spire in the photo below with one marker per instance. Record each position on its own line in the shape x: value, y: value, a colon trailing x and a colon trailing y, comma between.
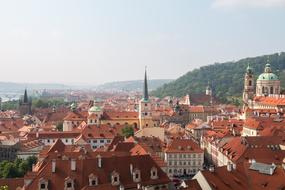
x: 145, y: 89
x: 26, y: 96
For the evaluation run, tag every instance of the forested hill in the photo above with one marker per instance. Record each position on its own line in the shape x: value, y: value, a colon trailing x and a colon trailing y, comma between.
x: 225, y: 78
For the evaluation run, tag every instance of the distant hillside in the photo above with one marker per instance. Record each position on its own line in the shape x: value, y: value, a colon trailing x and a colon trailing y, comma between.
x: 19, y: 87
x: 225, y: 78
x: 135, y: 85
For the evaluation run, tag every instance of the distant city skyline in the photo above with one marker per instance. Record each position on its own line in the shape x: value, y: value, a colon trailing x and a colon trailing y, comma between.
x: 94, y: 42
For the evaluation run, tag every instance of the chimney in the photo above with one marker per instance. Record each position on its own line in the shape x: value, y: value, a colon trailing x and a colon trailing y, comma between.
x: 37, y: 134
x: 53, y: 166
x: 131, y: 168
x: 99, y: 161
x: 138, y: 186
x: 73, y: 164
x: 122, y: 187
x: 229, y: 167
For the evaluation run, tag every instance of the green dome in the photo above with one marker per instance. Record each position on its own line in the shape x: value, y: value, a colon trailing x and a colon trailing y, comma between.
x: 95, y: 109
x: 268, y: 76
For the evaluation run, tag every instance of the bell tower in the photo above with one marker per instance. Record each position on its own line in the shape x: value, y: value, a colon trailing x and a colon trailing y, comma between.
x: 145, y: 115
x: 248, y: 92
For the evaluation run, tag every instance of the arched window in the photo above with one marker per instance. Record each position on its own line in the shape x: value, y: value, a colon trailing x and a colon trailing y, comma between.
x: 249, y: 83
x: 271, y: 90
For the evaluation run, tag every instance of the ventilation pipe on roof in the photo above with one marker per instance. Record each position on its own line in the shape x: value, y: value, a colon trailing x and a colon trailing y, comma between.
x: 122, y: 187
x: 229, y: 167
x: 99, y: 161
x: 138, y: 186
x: 53, y: 166
x: 73, y: 165
x: 131, y: 169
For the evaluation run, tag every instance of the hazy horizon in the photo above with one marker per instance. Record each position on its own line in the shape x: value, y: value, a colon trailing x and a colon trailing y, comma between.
x: 93, y: 42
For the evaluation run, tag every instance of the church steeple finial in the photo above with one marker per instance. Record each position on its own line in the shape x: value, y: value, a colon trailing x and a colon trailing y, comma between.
x: 145, y: 89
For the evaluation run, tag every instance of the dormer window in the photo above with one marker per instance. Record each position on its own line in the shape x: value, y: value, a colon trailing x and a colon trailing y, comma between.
x: 136, y: 175
x: 43, y: 184
x: 93, y: 180
x: 153, y: 173
x: 69, y: 184
x: 115, y: 178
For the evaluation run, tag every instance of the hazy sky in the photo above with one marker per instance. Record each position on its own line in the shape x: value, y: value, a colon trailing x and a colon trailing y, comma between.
x: 95, y: 41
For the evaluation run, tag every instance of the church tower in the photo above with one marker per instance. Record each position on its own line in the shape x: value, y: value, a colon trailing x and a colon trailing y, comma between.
x: 25, y: 105
x: 145, y: 115
x: 209, y: 90
x: 248, y: 92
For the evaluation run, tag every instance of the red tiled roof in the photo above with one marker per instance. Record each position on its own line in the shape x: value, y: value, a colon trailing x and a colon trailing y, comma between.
x: 183, y: 146
x: 85, y: 167
x: 273, y: 101
x: 120, y: 115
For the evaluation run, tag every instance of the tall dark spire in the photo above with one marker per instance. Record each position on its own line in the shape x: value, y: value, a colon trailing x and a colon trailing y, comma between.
x: 145, y: 88
x: 26, y: 96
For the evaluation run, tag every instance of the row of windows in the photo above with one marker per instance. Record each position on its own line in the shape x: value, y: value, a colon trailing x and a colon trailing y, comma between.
x: 182, y: 171
x: 184, y: 155
x: 97, y: 141
x: 180, y: 163
x: 66, y: 140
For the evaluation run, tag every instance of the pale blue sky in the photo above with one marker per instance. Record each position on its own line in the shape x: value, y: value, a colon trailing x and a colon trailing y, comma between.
x: 96, y: 41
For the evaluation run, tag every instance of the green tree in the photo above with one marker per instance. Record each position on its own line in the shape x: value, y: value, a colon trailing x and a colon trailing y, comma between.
x: 31, y: 160
x: 227, y: 79
x: 128, y: 131
x: 17, y: 168
x: 59, y: 126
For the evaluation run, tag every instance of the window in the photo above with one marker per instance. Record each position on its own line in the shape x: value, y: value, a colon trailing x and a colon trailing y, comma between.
x: 108, y: 141
x: 271, y: 90
x: 93, y: 180
x: 66, y: 140
x: 145, y: 113
x: 94, y: 141
x: 136, y: 175
x: 69, y: 184
x: 115, y: 178
x: 43, y: 184
x: 153, y: 173
x: 101, y: 141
